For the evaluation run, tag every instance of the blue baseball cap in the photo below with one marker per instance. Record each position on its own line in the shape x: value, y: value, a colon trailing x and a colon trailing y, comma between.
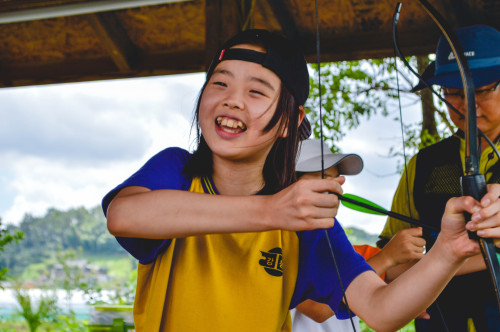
x: 481, y: 46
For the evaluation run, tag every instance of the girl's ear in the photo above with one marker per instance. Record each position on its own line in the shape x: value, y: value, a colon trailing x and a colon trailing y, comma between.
x: 302, y: 113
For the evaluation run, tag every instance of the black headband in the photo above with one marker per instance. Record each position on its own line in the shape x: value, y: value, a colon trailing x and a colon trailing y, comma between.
x: 243, y: 55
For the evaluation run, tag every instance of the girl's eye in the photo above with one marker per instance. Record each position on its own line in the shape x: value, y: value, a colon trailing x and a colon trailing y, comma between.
x: 220, y: 83
x: 257, y: 92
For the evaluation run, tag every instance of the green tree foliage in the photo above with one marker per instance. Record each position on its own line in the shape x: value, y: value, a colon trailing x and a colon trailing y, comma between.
x: 35, y: 314
x: 73, y: 277
x: 350, y: 91
x: 354, y: 91
x: 5, y: 238
x: 77, y: 229
x: 359, y: 236
x: 55, y: 246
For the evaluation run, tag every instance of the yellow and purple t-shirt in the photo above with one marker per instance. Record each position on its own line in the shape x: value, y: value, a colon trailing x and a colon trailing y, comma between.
x: 230, y: 282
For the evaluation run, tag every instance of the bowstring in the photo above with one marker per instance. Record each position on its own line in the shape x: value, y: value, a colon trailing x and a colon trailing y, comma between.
x: 402, y: 136
x: 323, y: 166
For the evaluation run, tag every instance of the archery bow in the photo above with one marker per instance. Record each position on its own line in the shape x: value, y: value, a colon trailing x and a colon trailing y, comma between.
x: 473, y: 183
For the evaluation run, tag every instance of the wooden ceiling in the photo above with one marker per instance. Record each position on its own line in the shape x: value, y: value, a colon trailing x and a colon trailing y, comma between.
x: 59, y: 41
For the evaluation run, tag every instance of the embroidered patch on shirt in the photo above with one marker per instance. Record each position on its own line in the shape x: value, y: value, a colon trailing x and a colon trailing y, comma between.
x: 272, y: 261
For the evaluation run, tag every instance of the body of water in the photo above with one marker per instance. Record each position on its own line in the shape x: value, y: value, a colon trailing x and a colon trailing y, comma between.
x: 77, y: 303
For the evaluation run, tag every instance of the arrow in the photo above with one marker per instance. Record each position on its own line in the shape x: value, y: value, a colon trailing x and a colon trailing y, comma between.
x: 363, y: 205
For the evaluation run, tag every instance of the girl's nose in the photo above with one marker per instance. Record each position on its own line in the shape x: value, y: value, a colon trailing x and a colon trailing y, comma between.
x: 234, y: 99
x: 233, y: 103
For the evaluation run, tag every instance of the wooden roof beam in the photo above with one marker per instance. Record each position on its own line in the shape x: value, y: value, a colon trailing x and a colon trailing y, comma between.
x: 370, y: 45
x: 455, y: 13
x: 285, y: 19
x: 467, y: 13
x: 114, y: 39
x: 45, y: 11
x: 100, y: 69
x: 221, y: 23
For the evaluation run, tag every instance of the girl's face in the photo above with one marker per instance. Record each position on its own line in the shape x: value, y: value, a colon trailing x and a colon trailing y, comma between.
x: 238, y: 102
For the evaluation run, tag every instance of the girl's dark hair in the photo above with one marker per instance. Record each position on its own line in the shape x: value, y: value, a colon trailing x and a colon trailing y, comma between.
x: 279, y: 167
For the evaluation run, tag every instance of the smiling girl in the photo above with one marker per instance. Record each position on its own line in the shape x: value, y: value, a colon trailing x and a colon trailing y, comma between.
x: 227, y: 240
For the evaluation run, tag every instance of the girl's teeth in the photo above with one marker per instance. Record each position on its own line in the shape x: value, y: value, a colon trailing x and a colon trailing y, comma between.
x: 230, y: 123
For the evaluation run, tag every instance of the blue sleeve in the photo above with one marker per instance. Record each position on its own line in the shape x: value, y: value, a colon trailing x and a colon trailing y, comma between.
x: 162, y: 171
x: 317, y: 277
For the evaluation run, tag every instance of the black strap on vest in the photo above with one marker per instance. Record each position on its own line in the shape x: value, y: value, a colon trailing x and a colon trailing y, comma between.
x: 437, y: 179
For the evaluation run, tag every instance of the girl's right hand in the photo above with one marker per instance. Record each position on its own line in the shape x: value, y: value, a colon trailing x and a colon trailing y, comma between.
x: 306, y: 204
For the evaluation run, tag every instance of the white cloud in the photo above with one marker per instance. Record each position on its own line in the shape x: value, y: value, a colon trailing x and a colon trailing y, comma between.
x: 40, y: 184
x: 92, y: 122
x: 66, y: 146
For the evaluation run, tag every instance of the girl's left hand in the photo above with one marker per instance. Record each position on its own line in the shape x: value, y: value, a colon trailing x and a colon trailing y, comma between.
x: 485, y: 219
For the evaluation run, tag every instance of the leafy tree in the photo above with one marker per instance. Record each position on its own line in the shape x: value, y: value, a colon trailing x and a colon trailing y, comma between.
x: 353, y: 91
x: 124, y: 293
x: 5, y: 238
x: 72, y: 276
x: 58, y: 231
x: 359, y: 236
x: 62, y: 239
x: 36, y: 315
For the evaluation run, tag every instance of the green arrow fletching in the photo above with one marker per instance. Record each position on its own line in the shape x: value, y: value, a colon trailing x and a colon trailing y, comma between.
x: 363, y: 205
x: 347, y: 203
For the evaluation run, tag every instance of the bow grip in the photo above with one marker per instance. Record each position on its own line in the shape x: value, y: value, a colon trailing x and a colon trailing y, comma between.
x: 475, y: 186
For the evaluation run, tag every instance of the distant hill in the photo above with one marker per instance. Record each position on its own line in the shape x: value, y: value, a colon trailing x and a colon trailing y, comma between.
x: 359, y: 236
x: 79, y: 229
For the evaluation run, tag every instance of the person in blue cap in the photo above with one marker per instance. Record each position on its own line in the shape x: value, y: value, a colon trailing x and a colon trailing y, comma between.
x: 432, y: 177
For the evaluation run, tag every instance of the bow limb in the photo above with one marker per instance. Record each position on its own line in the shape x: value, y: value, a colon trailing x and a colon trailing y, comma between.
x: 473, y: 183
x: 427, y: 85
x: 471, y: 150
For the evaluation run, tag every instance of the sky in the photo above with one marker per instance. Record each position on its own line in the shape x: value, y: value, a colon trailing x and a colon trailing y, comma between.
x: 65, y: 146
